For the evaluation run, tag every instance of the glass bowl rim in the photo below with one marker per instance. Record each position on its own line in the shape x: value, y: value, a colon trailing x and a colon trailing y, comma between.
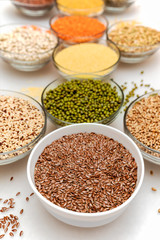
x: 22, y: 4
x: 28, y: 25
x: 156, y: 92
x: 80, y: 78
x: 44, y: 115
x: 130, y: 47
x: 55, y: 17
x: 94, y: 73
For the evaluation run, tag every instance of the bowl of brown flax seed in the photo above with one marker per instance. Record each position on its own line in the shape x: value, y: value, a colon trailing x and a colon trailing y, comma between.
x: 141, y: 123
x: 86, y: 174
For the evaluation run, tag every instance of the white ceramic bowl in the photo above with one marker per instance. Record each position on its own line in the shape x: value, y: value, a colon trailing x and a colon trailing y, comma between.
x: 72, y: 217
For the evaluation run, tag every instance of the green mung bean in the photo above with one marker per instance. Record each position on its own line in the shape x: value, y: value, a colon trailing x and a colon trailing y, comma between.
x: 78, y: 101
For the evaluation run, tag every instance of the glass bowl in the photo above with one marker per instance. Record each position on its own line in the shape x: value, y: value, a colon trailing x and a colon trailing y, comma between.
x: 60, y: 123
x: 80, y: 9
x: 117, y: 6
x: 21, y: 152
x: 132, y: 54
x: 148, y: 153
x: 33, y: 8
x: 17, y: 60
x: 79, y: 39
x: 102, y: 72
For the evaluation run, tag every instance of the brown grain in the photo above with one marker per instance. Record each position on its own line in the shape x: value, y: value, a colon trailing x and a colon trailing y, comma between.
x: 21, y: 211
x: 18, y: 193
x: 86, y: 172
x: 21, y: 233
x: 27, y: 199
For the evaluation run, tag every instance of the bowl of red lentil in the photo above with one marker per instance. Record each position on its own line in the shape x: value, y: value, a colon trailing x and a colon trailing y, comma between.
x: 83, y: 8
x: 26, y: 47
x: 141, y: 123
x: 34, y: 8
x: 94, y: 58
x: 87, y: 174
x: 135, y: 40
x: 117, y: 6
x: 23, y: 124
x: 77, y: 100
x: 78, y: 29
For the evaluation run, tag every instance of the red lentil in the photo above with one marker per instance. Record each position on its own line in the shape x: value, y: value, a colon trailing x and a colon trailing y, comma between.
x: 78, y: 28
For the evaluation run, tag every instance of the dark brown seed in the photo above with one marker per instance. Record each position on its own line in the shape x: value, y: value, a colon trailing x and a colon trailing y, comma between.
x: 18, y: 193
x: 11, y: 234
x: 21, y: 211
x: 1, y: 236
x: 159, y: 210
x: 27, y: 199
x: 32, y: 194
x: 151, y: 172
x: 11, y: 178
x: 21, y: 233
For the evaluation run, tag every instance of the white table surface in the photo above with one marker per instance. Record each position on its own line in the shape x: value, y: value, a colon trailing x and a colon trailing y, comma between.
x: 141, y: 220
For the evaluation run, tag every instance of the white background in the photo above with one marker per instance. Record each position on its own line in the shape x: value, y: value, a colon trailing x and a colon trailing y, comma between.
x: 141, y: 220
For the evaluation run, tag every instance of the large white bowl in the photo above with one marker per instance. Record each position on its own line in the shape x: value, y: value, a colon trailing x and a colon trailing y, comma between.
x: 72, y: 217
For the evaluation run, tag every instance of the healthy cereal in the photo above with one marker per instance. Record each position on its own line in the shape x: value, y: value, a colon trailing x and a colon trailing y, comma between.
x: 21, y: 122
x: 86, y: 172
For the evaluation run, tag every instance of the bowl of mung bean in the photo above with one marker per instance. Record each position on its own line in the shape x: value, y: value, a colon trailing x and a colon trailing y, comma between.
x: 117, y: 6
x: 100, y: 58
x: 86, y: 174
x: 34, y: 8
x: 26, y: 47
x: 135, y: 40
x: 23, y: 124
x: 83, y: 8
x: 77, y: 100
x: 78, y: 29
x: 141, y: 123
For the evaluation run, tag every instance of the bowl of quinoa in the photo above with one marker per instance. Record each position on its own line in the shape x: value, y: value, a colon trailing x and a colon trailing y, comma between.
x: 86, y: 174
x: 136, y: 41
x: 142, y: 124
x: 26, y: 47
x: 23, y: 124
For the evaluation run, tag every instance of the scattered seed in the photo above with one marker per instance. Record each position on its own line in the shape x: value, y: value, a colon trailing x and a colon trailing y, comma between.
x: 27, y: 199
x: 11, y: 178
x: 159, y: 210
x: 154, y: 189
x: 151, y: 172
x: 1, y: 236
x: 32, y: 194
x: 21, y: 211
x: 21, y: 233
x: 11, y: 234
x: 18, y: 193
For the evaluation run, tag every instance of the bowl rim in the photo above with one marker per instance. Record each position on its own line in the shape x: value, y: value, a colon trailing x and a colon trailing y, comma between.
x: 131, y: 47
x: 43, y: 114
x: 81, y: 78
x: 156, y: 92
x: 54, y: 18
x: 80, y: 214
x: 79, y: 9
x: 100, y: 43
x: 22, y: 4
x: 15, y: 25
